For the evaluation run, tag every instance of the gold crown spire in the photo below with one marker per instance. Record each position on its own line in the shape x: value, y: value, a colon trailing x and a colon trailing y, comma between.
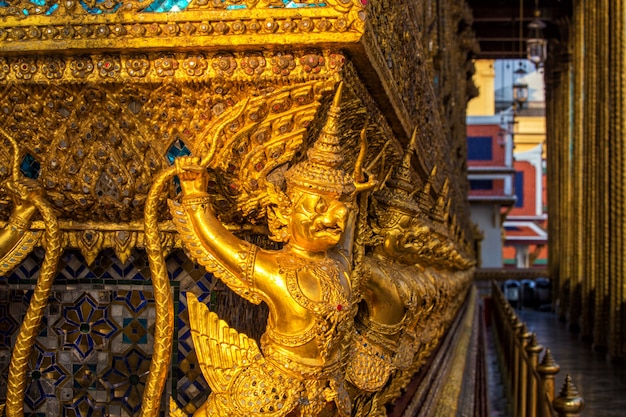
x: 426, y: 201
x: 399, y: 189
x: 439, y: 212
x: 322, y: 170
x: 402, y: 177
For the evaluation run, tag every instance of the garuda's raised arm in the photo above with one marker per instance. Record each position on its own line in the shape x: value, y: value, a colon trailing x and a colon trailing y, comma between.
x: 226, y: 256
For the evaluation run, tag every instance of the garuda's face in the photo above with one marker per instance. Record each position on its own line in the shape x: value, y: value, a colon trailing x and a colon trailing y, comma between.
x: 405, y: 240
x: 317, y: 220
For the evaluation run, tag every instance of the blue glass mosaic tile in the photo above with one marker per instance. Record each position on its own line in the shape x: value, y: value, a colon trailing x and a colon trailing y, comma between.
x: 177, y: 149
x: 46, y: 376
x: 135, y: 331
x: 135, y: 300
x: 83, y: 406
x: 85, y: 376
x: 96, y: 344
x: 8, y: 326
x: 126, y: 379
x: 161, y: 6
x: 289, y: 4
x: 293, y: 5
x: 30, y: 167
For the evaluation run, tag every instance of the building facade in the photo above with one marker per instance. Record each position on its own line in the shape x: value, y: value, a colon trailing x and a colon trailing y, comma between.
x: 506, y: 167
x: 491, y: 177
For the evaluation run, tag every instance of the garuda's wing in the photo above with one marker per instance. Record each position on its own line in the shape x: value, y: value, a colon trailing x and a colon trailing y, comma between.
x: 267, y: 135
x: 222, y: 351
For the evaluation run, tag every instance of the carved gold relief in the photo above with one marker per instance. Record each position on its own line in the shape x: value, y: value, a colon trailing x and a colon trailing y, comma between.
x: 226, y: 108
x: 110, y: 140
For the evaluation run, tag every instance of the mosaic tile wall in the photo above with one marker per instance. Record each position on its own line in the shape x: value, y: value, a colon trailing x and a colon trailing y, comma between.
x: 92, y: 356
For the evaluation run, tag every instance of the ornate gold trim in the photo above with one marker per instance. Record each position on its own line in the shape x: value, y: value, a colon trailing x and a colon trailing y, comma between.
x: 198, y: 26
x: 157, y: 67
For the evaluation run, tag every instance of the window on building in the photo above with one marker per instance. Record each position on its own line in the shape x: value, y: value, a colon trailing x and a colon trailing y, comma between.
x: 519, y: 189
x: 481, y: 184
x: 479, y: 148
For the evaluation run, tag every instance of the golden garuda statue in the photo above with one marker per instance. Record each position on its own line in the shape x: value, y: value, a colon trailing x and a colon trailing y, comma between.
x: 393, y: 287
x: 307, y: 286
x: 402, y: 313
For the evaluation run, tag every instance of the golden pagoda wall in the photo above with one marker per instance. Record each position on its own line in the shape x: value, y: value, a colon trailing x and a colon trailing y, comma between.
x: 101, y: 102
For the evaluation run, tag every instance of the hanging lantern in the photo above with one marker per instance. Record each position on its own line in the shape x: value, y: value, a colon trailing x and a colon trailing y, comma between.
x: 536, y: 45
x: 520, y: 93
x: 520, y: 86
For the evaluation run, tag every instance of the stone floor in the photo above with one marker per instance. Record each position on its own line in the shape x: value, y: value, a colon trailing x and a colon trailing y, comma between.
x: 498, y: 405
x: 600, y: 383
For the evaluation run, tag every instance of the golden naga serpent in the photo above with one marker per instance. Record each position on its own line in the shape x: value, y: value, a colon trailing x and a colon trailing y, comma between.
x: 164, y: 322
x: 18, y: 367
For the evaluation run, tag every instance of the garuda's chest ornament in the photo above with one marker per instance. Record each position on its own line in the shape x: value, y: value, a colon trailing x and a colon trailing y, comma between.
x: 330, y: 311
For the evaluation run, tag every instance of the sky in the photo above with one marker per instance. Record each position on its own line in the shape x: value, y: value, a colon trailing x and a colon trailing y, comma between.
x: 505, y: 70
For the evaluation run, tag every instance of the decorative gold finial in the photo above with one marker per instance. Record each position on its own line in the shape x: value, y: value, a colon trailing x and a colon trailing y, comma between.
x: 438, y: 212
x: 533, y: 346
x: 548, y: 365
x: 568, y: 403
x: 322, y: 170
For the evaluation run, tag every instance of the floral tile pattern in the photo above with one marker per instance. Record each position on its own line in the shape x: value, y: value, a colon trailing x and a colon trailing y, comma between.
x: 126, y: 378
x: 93, y: 353
x: 85, y: 326
x: 47, y: 377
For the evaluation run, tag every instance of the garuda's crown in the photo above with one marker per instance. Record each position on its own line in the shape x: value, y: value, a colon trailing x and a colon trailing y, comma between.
x: 322, y: 170
x: 440, y: 212
x: 401, y: 186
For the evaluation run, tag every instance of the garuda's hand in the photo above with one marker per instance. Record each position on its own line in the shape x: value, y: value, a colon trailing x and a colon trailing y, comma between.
x: 193, y: 177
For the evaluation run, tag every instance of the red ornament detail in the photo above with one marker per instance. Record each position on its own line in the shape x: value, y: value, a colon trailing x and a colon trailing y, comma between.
x: 364, y: 2
x: 339, y: 307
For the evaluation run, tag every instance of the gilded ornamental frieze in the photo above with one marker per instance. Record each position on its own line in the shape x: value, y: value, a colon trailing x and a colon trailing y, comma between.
x: 29, y: 26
